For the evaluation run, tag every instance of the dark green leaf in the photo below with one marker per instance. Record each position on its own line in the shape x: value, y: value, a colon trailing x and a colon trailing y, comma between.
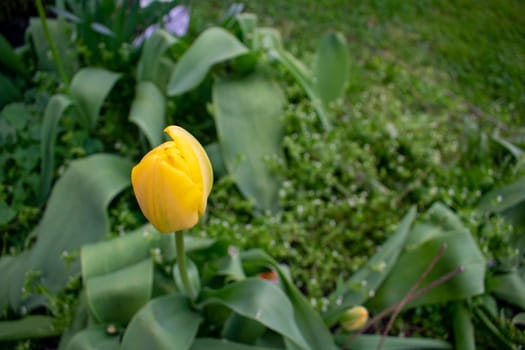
x: 242, y: 329
x: 8, y: 91
x: 248, y: 114
x: 55, y: 109
x: 89, y: 88
x: 148, y: 112
x: 262, y: 301
x: 28, y: 327
x: 9, y: 59
x: 213, y: 46
x: 165, y: 323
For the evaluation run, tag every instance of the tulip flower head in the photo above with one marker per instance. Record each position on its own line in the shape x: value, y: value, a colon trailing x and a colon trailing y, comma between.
x: 172, y: 182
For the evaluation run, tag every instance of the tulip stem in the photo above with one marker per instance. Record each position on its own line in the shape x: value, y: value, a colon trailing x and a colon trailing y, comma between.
x: 181, y: 262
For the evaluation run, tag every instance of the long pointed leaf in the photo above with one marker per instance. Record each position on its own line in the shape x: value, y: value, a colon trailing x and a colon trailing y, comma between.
x: 152, y: 52
x: 29, y: 327
x: 213, y: 46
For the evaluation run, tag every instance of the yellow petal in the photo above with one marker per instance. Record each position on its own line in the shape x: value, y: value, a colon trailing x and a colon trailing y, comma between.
x: 187, y: 142
x: 169, y: 199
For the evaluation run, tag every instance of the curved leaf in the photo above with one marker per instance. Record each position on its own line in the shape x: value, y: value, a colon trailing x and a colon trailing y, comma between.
x: 94, y: 338
x: 89, y: 89
x: 262, y: 301
x: 308, y: 320
x: 55, y: 109
x: 214, y: 45
x: 117, y: 296
x: 75, y: 215
x: 9, y: 59
x: 147, y: 111
x: 164, y: 323
x: 248, y: 114
x: 366, y: 341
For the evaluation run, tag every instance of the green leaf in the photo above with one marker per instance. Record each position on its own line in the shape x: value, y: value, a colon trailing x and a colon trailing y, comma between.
x: 152, y: 52
x: 193, y: 276
x: 164, y: 323
x: 89, y: 88
x: 242, y: 329
x: 362, y: 284
x: 508, y: 287
x: 222, y: 344
x: 55, y: 109
x: 331, y: 67
x: 366, y: 341
x: 213, y: 46
x: 9, y: 59
x: 425, y: 241
x: 463, y: 328
x: 8, y: 91
x: 508, y: 201
x: 214, y: 153
x: 94, y: 338
x: 75, y: 215
x: 248, y: 114
x: 148, y: 112
x: 61, y: 33
x: 28, y: 327
x: 231, y: 265
x: 262, y: 301
x: 308, y: 320
x: 116, y: 296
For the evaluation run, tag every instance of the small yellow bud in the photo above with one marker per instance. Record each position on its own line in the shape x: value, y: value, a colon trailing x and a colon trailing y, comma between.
x: 354, y: 318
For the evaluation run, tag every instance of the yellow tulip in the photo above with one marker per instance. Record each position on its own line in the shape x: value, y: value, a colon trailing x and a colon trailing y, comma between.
x: 172, y: 182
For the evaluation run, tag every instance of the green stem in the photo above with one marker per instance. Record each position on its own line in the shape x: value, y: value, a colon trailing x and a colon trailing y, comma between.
x: 52, y: 47
x: 181, y: 262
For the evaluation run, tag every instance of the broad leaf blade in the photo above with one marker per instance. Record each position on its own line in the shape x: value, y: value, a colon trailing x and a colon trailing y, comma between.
x: 89, y: 89
x: 55, y: 109
x: 164, y: 323
x: 213, y: 46
x: 262, y: 301
x: 148, y: 112
x: 366, y: 341
x: 75, y: 215
x: 248, y: 114
x: 509, y: 287
x: 331, y: 67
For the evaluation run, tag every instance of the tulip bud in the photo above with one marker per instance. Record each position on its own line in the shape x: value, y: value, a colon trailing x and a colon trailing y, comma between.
x: 354, y: 318
x: 172, y: 182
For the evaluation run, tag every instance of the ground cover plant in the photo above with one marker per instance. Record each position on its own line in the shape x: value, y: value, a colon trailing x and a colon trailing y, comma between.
x: 367, y: 162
